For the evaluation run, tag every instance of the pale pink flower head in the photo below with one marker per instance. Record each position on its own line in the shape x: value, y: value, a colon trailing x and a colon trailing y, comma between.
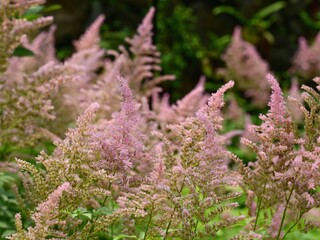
x: 306, y: 61
x: 247, y: 69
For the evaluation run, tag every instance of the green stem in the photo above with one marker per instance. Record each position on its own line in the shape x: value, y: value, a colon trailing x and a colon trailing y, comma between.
x: 102, y: 205
x: 259, y: 207
x: 111, y: 225
x: 169, y: 224
x: 196, y: 228
x: 257, y: 214
x: 174, y: 209
x: 284, y: 214
x: 148, y: 224
x: 292, y: 226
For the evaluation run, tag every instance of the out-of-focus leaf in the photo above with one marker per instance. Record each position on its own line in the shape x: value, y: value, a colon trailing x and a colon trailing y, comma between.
x: 122, y: 236
x: 34, y: 10
x: 51, y: 8
x: 22, y: 52
x: 270, y: 9
x: 102, y: 211
x: 4, y: 225
x: 82, y: 213
x: 307, y: 20
x: 6, y: 178
x: 230, y: 10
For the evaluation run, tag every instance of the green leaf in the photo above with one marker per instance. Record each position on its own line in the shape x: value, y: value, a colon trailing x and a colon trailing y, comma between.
x: 123, y: 236
x: 270, y: 9
x: 53, y: 7
x: 22, y: 52
x: 230, y: 10
x: 307, y: 20
x: 102, y: 211
x: 82, y: 213
x: 7, y: 233
x: 87, y: 215
x: 6, y: 178
x: 33, y: 10
x: 4, y: 225
x: 32, y: 16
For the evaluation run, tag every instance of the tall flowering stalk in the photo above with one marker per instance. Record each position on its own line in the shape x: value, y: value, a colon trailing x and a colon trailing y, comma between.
x: 278, y: 177
x: 305, y: 62
x: 98, y: 161
x: 45, y: 218
x: 247, y: 69
x: 188, y: 179
x: 26, y: 92
x: 13, y: 28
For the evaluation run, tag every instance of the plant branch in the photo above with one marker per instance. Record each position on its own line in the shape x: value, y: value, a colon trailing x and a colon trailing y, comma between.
x: 284, y: 214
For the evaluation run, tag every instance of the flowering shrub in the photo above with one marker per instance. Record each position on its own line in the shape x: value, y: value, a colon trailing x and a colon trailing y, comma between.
x: 133, y: 166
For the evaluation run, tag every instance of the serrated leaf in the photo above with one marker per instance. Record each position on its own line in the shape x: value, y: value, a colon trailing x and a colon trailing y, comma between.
x: 102, y: 211
x: 82, y: 213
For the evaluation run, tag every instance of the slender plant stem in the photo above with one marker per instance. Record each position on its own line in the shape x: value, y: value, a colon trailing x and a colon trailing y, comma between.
x: 300, y: 215
x: 148, y: 224
x: 196, y: 227
x: 111, y: 225
x: 102, y: 205
x: 257, y: 214
x: 259, y: 207
x: 284, y: 214
x: 169, y: 224
x: 174, y: 209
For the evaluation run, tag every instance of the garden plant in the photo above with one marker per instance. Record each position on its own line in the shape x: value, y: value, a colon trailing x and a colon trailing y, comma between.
x: 92, y: 148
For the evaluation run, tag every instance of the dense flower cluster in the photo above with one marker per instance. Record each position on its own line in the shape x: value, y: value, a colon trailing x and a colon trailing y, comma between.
x: 286, y: 164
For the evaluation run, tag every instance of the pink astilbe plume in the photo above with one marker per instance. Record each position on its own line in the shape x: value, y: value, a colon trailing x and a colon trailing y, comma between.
x: 76, y: 160
x: 196, y: 163
x: 306, y: 62
x: 282, y: 166
x: 71, y: 161
x: 186, y: 107
x: 311, y: 116
x: 44, y: 52
x: 90, y: 56
x: 12, y: 29
x: 146, y: 59
x: 88, y: 53
x: 99, y: 161
x: 122, y: 143
x: 247, y: 69
x: 276, y: 104
x: 275, y: 150
x: 45, y: 218
x: 138, y: 65
x: 28, y: 104
x: 294, y: 101
x: 28, y: 84
x: 91, y: 37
